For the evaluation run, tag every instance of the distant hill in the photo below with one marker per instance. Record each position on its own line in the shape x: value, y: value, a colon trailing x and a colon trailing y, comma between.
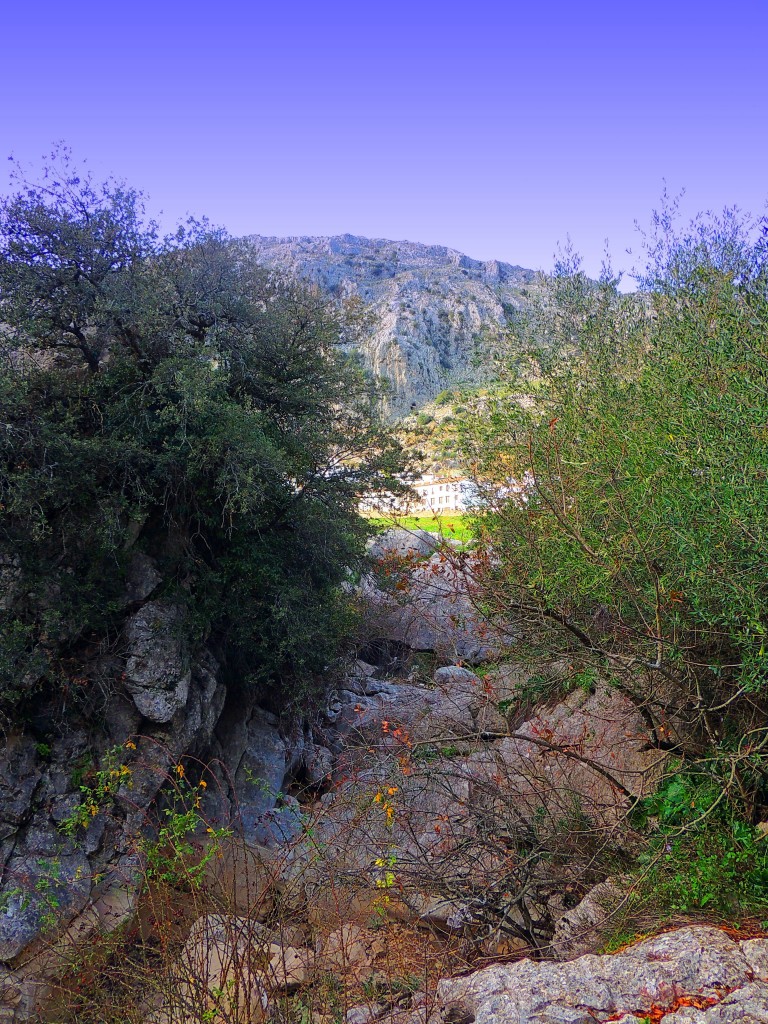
x: 434, y: 307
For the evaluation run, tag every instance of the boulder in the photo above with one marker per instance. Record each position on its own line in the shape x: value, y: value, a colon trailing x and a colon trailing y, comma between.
x: 21, y: 996
x: 318, y: 764
x: 260, y: 773
x: 579, y: 930
x: 604, y: 752
x: 404, y: 543
x: 157, y: 671
x: 748, y: 1005
x: 141, y: 578
x: 701, y: 962
x: 39, y: 892
x: 20, y: 773
x: 344, y: 951
x: 430, y: 606
x: 244, y: 876
x: 288, y: 967
x: 221, y: 972
x: 258, y: 755
x: 421, y: 712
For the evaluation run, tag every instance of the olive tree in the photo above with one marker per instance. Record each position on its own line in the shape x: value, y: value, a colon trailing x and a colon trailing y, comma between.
x: 172, y: 395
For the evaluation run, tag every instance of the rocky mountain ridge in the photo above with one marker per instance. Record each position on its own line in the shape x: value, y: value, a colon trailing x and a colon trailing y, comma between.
x: 434, y: 308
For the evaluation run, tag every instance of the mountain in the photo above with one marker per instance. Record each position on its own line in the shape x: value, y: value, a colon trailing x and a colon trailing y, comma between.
x: 434, y: 308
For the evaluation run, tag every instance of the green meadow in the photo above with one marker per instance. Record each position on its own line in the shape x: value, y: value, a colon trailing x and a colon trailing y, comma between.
x: 452, y: 527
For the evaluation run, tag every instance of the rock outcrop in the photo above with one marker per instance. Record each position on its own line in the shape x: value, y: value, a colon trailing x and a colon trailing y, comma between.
x: 434, y: 307
x: 699, y: 975
x: 158, y: 670
x: 426, y: 600
x: 73, y: 806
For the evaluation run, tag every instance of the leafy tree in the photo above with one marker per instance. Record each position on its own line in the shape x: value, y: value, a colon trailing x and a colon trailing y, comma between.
x: 639, y: 542
x: 171, y: 395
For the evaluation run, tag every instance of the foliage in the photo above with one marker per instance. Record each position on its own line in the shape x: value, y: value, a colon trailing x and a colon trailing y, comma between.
x: 637, y: 529
x: 535, y: 690
x: 100, y: 791
x: 172, y: 857
x: 626, y: 522
x: 703, y: 856
x: 171, y: 396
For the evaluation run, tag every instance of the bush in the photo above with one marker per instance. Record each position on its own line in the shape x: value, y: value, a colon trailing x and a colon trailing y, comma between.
x: 702, y: 856
x: 638, y: 537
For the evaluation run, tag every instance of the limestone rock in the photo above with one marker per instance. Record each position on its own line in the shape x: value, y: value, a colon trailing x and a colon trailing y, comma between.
x: 19, y: 775
x: 432, y: 609
x: 445, y: 914
x: 431, y: 305
x: 115, y: 905
x: 289, y: 967
x: 158, y: 671
x: 602, y: 726
x: 699, y: 961
x: 756, y: 952
x: 363, y: 1014
x: 344, y: 950
x: 748, y: 1005
x: 220, y: 970
x: 422, y: 712
x: 260, y: 773
x: 453, y: 678
x: 245, y: 875
x: 39, y: 891
x: 362, y: 668
x: 259, y: 754
x: 578, y: 930
x: 403, y: 543
x: 20, y: 996
x: 141, y: 578
x: 318, y: 764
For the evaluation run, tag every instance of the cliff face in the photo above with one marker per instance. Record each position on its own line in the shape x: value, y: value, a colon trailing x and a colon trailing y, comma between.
x: 434, y: 308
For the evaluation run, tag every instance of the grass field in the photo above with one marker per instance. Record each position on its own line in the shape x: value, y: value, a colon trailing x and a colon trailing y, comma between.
x: 449, y: 526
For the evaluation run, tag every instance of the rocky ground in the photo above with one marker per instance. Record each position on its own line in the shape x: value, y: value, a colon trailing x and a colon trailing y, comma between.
x: 407, y: 856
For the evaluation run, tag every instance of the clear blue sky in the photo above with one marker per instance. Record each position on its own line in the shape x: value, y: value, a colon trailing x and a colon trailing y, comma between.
x: 496, y: 128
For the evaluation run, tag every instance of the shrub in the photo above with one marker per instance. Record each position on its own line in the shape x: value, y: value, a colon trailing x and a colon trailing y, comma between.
x: 702, y: 855
x: 637, y: 540
x: 640, y: 531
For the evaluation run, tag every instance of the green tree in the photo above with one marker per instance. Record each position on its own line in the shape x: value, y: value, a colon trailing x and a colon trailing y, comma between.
x: 171, y: 395
x: 640, y: 541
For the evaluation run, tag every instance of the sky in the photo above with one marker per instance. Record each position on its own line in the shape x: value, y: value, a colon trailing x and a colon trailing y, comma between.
x: 498, y: 129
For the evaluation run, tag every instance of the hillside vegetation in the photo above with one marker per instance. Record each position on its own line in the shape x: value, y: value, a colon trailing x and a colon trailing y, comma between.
x: 639, y: 548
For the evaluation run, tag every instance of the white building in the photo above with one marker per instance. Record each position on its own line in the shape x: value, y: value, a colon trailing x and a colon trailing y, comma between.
x: 432, y: 494
x: 442, y: 494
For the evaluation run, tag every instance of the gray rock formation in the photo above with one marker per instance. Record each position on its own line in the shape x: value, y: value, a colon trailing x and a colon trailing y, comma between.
x: 404, y: 543
x: 430, y: 604
x: 158, y: 672
x: 699, y: 962
x: 65, y: 875
x: 580, y: 929
x: 434, y: 308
